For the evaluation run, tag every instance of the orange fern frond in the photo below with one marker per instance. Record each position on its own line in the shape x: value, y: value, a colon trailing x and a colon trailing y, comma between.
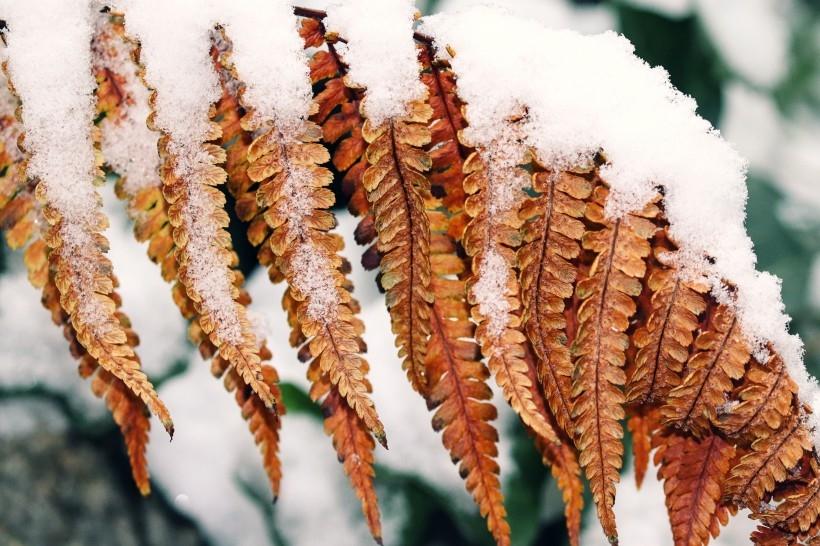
x: 642, y: 426
x: 490, y: 240
x: 799, y: 511
x: 721, y: 354
x: 351, y: 438
x: 694, y: 473
x: 607, y: 292
x: 397, y: 191
x: 766, y: 399
x: 768, y: 463
x: 663, y: 341
x: 551, y: 238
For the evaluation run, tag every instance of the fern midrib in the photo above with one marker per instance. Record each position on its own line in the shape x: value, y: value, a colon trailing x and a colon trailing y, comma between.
x: 538, y: 303
x: 602, y: 477
x: 769, y: 456
x: 711, y: 369
x: 462, y: 405
x: 763, y: 402
x: 699, y: 485
x: 651, y: 394
x: 410, y: 216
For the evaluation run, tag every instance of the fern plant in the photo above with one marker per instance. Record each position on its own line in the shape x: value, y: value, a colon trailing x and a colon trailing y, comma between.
x: 510, y: 244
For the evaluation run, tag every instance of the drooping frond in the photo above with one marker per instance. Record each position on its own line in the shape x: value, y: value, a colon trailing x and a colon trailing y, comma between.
x: 351, y: 438
x: 562, y: 457
x: 190, y: 175
x: 123, y: 103
x: 663, y: 341
x: 799, y: 512
x: 61, y: 159
x: 551, y: 238
x: 766, y: 399
x: 456, y: 378
x: 721, y: 353
x: 494, y: 183
x: 641, y: 426
x: 607, y: 293
x: 768, y: 463
x: 694, y: 473
x: 284, y: 160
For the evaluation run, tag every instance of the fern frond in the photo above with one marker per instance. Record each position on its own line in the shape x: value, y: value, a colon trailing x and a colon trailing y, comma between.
x: 129, y: 411
x: 721, y: 354
x: 607, y: 292
x: 490, y: 239
x: 694, y: 473
x: 351, y: 438
x: 766, y: 399
x: 768, y: 463
x: 799, y: 512
x: 456, y: 378
x: 294, y: 200
x: 551, y: 238
x: 397, y: 191
x: 642, y: 426
x: 562, y: 458
x: 664, y: 340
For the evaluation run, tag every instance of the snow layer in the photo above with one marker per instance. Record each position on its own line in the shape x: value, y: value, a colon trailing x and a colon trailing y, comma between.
x: 129, y: 147
x: 269, y: 55
x: 377, y: 31
x: 589, y: 94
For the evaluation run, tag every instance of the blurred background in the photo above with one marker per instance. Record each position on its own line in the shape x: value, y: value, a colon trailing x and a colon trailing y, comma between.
x: 754, y: 68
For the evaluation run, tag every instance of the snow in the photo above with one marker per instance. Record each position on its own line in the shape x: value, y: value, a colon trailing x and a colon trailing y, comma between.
x: 390, y: 85
x: 57, y: 116
x: 175, y: 44
x: 129, y: 147
x: 490, y: 290
x: 268, y: 54
x: 586, y: 19
x: 752, y: 36
x: 649, y: 133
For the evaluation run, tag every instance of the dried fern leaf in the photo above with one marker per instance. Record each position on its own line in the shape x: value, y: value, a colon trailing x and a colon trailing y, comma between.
x: 551, y: 238
x: 263, y: 422
x: 397, y: 191
x: 768, y: 463
x: 129, y: 412
x: 694, y: 473
x: 351, y: 438
x: 766, y: 399
x: 293, y: 199
x: 663, y: 341
x: 641, y: 426
x: 148, y: 209
x: 607, y: 293
x: 721, y: 354
x: 799, y: 512
x: 490, y: 239
x: 562, y: 458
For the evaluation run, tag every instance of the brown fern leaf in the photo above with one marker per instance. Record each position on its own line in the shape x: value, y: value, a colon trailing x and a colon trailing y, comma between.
x: 766, y: 399
x: 721, y: 354
x: 768, y: 463
x: 446, y: 152
x: 456, y: 381
x: 767, y: 536
x: 351, y: 438
x: 694, y: 472
x: 263, y: 422
x: 397, y: 191
x: 490, y: 240
x: 338, y: 114
x: 799, y: 512
x: 562, y: 458
x: 641, y: 426
x: 663, y: 341
x: 129, y: 411
x: 551, y: 240
x: 607, y: 293
x: 290, y: 186
x: 17, y: 203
